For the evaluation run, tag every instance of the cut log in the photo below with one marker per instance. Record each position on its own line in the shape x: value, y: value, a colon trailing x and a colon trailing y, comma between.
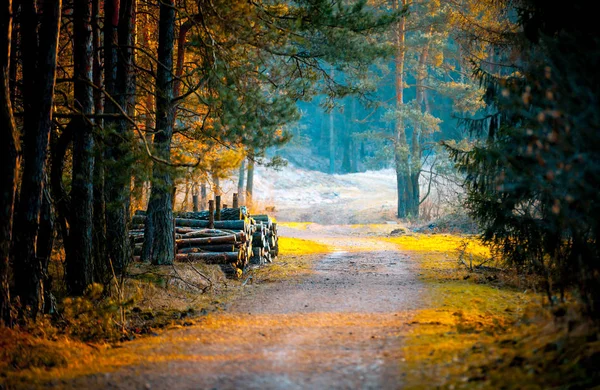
x: 209, y: 257
x: 187, y: 242
x: 197, y: 223
x: 233, y: 225
x: 208, y: 248
x: 227, y: 214
x: 197, y: 233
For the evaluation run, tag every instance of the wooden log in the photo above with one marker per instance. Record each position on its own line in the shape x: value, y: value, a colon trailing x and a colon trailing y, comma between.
x: 227, y: 214
x: 209, y: 257
x: 197, y: 233
x: 235, y: 201
x: 187, y: 242
x: 233, y: 225
x: 184, y: 230
x: 209, y: 248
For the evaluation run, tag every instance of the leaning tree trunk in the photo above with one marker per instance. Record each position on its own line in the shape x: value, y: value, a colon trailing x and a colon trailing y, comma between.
x: 39, y: 73
x: 9, y: 162
x: 159, y: 227
x: 79, y: 271
x: 118, y: 142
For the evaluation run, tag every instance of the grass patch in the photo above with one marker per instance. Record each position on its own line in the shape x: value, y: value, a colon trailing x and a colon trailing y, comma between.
x: 489, y: 330
x: 296, y: 225
x: 296, y: 259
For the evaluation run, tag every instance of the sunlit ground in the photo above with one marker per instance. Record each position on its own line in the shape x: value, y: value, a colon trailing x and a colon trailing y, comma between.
x: 470, y: 332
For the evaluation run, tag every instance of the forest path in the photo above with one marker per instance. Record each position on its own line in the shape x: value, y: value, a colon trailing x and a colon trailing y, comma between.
x: 340, y: 327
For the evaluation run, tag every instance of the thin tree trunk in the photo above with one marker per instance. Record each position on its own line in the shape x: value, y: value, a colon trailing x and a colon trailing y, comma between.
x: 353, y: 154
x: 160, y: 211
x: 241, y: 182
x: 79, y: 266
x: 15, y: 48
x: 203, y: 196
x: 44, y: 244
x: 9, y: 162
x: 250, y: 180
x: 61, y: 199
x: 331, y: 138
x: 39, y: 75
x: 416, y: 151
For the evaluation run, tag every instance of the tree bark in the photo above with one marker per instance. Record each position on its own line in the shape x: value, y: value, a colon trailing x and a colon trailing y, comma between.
x: 118, y: 143
x: 79, y: 266
x: 160, y: 209
x: 9, y: 162
x: 39, y: 73
x: 99, y: 212
x: 240, y: 190
x: 416, y: 147
x: 250, y: 180
x: 331, y: 138
x: 401, y: 151
x: 203, y: 196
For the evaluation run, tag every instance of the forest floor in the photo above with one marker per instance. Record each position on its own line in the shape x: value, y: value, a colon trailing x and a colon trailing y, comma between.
x: 364, y: 310
x: 357, y: 301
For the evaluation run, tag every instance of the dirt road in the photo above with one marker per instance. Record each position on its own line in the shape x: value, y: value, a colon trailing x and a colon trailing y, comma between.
x: 339, y: 328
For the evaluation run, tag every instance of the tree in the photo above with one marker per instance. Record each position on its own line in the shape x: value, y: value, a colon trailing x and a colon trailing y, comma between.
x: 9, y: 163
x: 39, y: 48
x: 531, y: 173
x: 118, y: 133
x: 159, y: 246
x: 79, y: 271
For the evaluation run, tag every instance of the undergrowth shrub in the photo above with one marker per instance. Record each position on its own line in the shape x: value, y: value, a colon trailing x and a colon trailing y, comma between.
x: 94, y: 316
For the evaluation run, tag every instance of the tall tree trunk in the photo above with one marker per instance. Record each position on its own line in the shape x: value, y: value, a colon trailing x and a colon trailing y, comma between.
x: 240, y: 187
x: 79, y: 266
x: 118, y: 140
x: 39, y: 74
x: 99, y: 224
x: 159, y: 223
x: 250, y: 180
x: 401, y: 151
x: 9, y: 162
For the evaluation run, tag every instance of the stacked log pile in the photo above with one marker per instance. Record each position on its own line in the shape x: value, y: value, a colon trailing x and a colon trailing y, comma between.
x: 229, y: 237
